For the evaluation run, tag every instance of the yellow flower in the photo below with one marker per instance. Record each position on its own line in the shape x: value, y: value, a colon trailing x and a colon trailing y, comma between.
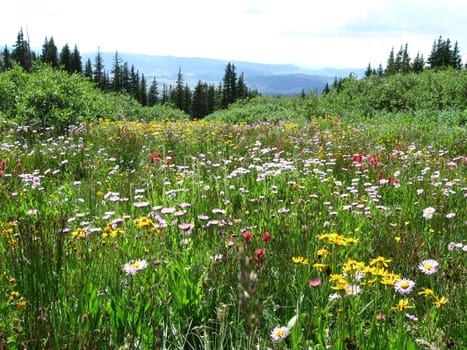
x: 440, y: 302
x: 300, y: 260
x: 427, y: 292
x: 322, y: 252
x: 380, y: 261
x: 319, y: 266
x: 14, y: 295
x: 389, y: 279
x: 21, y: 304
x: 402, y: 305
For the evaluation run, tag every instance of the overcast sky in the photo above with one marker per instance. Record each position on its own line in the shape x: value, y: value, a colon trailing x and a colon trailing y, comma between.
x: 309, y: 33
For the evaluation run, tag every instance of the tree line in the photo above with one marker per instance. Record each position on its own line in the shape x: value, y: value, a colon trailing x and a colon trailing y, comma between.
x: 443, y: 55
x: 198, y: 102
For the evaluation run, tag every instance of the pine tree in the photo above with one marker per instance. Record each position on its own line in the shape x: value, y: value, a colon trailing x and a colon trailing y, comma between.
x: 65, y: 59
x: 76, y: 65
x: 242, y: 89
x: 88, y: 69
x: 456, y: 59
x: 134, y: 83
x: 153, y: 94
x: 405, y: 62
x: 6, y: 60
x: 199, y: 102
x: 22, y: 52
x: 368, y: 71
x: 418, y: 64
x: 99, y: 77
x: 49, y: 53
x: 178, y: 95
x: 229, y: 90
x: 380, y: 70
x: 142, y: 93
x: 391, y: 64
x: 117, y: 73
x: 325, y: 90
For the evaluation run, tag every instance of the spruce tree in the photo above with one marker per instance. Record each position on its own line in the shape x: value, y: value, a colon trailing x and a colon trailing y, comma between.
x: 6, y: 60
x: 391, y: 64
x: 76, y: 65
x: 65, y: 59
x: 229, y: 90
x: 418, y: 64
x: 117, y: 73
x: 153, y: 94
x: 142, y: 93
x: 178, y: 95
x: 49, y: 53
x: 22, y: 52
x: 99, y: 77
x: 88, y: 69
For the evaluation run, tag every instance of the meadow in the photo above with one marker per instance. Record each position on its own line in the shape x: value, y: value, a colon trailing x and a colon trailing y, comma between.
x: 318, y: 234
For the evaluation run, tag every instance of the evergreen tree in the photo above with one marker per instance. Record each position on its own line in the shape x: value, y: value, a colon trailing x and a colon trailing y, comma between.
x: 369, y: 71
x: 125, y: 78
x: 391, y: 64
x: 418, y: 64
x: 229, y: 90
x: 199, y: 102
x: 325, y: 90
x: 22, y: 52
x: 99, y: 77
x: 456, y: 59
x: 88, y: 69
x: 142, y: 93
x: 6, y: 60
x: 210, y: 99
x: 242, y: 89
x: 153, y: 94
x: 405, y: 62
x: 49, y: 53
x: 380, y: 70
x: 134, y: 83
x: 65, y: 59
x: 165, y: 98
x: 117, y: 73
x: 178, y: 95
x: 76, y: 66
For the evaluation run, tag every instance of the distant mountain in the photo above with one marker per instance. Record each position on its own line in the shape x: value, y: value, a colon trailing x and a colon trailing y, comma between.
x: 269, y: 79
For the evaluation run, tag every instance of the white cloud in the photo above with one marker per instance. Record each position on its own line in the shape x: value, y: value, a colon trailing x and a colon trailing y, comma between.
x: 321, y: 33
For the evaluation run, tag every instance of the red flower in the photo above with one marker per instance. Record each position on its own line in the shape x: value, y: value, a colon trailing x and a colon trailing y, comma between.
x: 260, y: 253
x: 3, y: 164
x: 247, y: 236
x: 266, y: 237
x: 155, y: 156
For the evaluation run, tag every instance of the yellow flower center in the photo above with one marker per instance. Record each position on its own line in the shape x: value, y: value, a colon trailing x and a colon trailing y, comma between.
x: 428, y: 267
x: 405, y: 285
x: 135, y: 265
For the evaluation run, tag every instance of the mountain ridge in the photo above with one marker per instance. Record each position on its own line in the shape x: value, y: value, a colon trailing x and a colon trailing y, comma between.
x: 267, y: 78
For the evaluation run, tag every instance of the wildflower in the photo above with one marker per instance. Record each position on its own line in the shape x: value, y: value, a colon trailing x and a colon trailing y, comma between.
x: 380, y: 316
x: 260, y: 253
x: 427, y: 292
x: 334, y: 296
x: 380, y: 261
x: 247, y: 236
x: 404, y: 286
x: 428, y: 213
x: 134, y: 266
x: 266, y: 237
x: 451, y: 246
x: 428, y: 267
x: 440, y: 302
x: 353, y: 289
x: 319, y: 266
x: 141, y: 204
x: 411, y: 317
x: 402, y: 305
x: 14, y: 295
x: 314, y: 282
x: 279, y: 333
x: 299, y: 260
x: 21, y: 304
x: 322, y: 252
x: 389, y: 279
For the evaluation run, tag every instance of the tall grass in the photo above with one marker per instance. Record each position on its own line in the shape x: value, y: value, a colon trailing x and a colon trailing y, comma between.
x: 210, y: 235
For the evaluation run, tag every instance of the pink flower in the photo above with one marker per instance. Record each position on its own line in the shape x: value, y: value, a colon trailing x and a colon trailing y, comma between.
x: 266, y: 237
x: 314, y: 282
x: 260, y: 253
x: 247, y: 236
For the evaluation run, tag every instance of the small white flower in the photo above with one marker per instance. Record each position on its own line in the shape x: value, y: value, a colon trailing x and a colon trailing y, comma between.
x: 279, y: 333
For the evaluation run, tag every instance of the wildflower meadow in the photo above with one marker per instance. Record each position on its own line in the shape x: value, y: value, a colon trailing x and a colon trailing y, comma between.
x: 318, y: 234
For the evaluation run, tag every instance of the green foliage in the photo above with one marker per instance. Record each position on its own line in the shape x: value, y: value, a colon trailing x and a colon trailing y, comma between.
x: 53, y: 98
x: 429, y: 91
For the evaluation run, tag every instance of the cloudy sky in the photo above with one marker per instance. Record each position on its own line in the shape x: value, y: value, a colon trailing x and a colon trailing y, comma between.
x: 309, y: 33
